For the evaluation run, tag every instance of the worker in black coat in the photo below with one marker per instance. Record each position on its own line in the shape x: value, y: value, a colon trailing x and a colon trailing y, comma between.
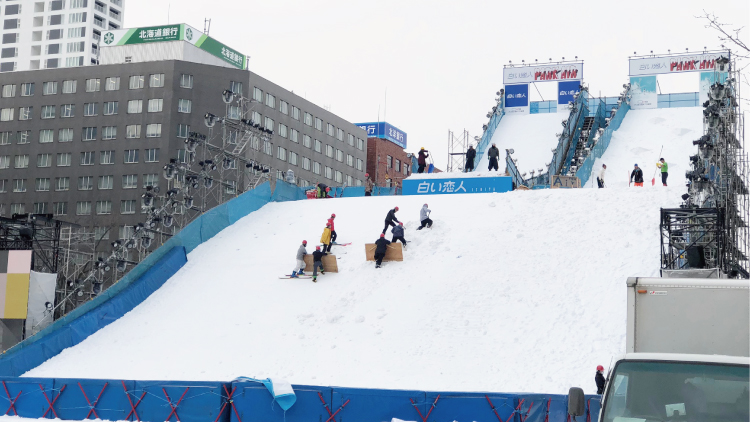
x: 381, y: 245
x: 390, y: 218
x: 599, y: 379
x: 470, y: 154
x: 637, y: 174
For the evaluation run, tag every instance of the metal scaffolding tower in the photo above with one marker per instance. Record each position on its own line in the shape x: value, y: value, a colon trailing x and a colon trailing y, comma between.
x: 457, y: 146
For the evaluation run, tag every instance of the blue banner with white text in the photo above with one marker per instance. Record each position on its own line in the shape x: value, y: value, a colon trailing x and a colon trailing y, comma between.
x: 457, y: 185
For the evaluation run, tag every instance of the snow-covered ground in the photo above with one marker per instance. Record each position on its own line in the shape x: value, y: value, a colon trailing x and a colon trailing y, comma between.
x: 516, y: 292
x: 531, y: 136
x: 639, y: 140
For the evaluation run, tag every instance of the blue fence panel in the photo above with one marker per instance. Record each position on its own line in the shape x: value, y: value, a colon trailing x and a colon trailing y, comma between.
x: 470, y: 406
x: 199, y: 401
x: 81, y: 399
x: 365, y: 405
x: 254, y: 403
x: 542, y: 107
x: 353, y: 191
x: 25, y: 396
x: 685, y: 99
x: 288, y: 192
x: 382, y: 191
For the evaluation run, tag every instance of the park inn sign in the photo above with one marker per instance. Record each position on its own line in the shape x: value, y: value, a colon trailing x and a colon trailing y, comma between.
x: 176, y: 32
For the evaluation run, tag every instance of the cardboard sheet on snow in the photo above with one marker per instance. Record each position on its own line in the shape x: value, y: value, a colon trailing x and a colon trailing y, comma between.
x: 329, y: 263
x: 393, y: 253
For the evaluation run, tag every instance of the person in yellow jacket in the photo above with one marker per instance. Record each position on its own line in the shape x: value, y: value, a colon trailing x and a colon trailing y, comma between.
x: 664, y: 168
x: 325, y: 239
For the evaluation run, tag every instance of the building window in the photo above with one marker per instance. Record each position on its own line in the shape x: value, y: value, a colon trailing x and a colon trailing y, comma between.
x: 349, y: 160
x: 136, y: 82
x: 93, y: 85
x: 110, y: 108
x: 338, y: 177
x: 294, y: 135
x: 19, y: 185
x: 281, y: 153
x: 77, y: 17
x: 17, y: 209
x: 319, y: 124
x: 21, y: 161
x: 183, y: 131
x: 67, y: 110
x: 86, y: 183
x: 329, y: 151
x: 307, y: 141
x: 282, y: 130
x: 112, y: 83
x: 109, y: 133
x: 90, y: 109
x: 359, y: 164
x: 328, y: 173
x: 65, y: 135
x: 295, y: 113
x: 389, y: 161
x: 103, y: 207
x: 316, y: 167
x: 25, y: 113
x: 46, y: 136
x: 284, y: 107
x: 156, y: 80
x: 69, y: 87
x: 88, y: 158
x: 42, y: 184
x: 76, y: 47
x: 292, y: 158
x: 64, y: 159
x: 267, y: 148
x: 339, y: 134
x: 186, y: 81
x: 127, y: 206
x: 339, y: 156
x: 184, y: 106
x: 135, y: 106
x: 48, y: 112
x: 60, y: 208
x: 40, y: 208
x: 27, y: 90
x: 4, y: 162
x: 350, y: 139
x: 7, y: 114
x: 88, y: 134
x: 269, y: 123
x: 330, y: 129
x: 9, y: 91
x: 131, y: 156
x: 6, y: 138
x: 23, y: 137
x: 152, y: 155
x: 257, y: 94
x: 318, y: 146
x: 83, y: 208
x: 155, y: 105
x: 308, y: 119
x: 62, y: 184
x: 77, y: 32
x: 129, y: 181
x: 106, y: 157
x: 153, y: 130
x: 360, y: 144
x: 305, y: 163
x: 49, y: 88
x: 234, y: 112
x: 133, y: 131
x: 150, y: 180
x: 270, y: 101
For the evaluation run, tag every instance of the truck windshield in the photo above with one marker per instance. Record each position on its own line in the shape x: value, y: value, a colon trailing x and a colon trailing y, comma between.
x: 684, y: 391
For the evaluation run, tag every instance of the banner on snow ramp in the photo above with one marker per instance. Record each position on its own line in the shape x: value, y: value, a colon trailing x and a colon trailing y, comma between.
x: 542, y: 73
x: 517, y: 99
x: 457, y: 185
x: 678, y: 63
x: 566, y: 92
x: 643, y: 92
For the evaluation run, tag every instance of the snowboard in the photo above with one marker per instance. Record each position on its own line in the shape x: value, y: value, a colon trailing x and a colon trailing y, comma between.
x: 342, y: 244
x: 299, y: 276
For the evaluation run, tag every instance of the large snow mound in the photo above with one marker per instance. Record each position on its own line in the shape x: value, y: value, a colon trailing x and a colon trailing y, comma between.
x: 531, y: 136
x: 511, y: 292
x: 640, y: 139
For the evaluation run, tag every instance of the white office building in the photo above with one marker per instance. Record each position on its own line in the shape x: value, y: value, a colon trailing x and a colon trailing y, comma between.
x: 52, y: 34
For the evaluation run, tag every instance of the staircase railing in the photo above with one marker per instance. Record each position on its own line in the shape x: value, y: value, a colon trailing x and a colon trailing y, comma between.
x: 515, y: 174
x: 484, y: 143
x: 570, y: 132
x: 577, y: 118
x: 601, y: 145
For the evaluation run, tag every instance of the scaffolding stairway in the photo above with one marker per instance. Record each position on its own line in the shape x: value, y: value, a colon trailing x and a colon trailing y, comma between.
x: 582, y: 145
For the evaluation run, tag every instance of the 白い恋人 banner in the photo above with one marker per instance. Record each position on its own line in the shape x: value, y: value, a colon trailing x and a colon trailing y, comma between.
x: 517, y: 99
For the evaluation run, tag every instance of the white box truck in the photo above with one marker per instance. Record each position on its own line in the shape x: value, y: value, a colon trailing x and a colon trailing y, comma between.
x: 687, y: 354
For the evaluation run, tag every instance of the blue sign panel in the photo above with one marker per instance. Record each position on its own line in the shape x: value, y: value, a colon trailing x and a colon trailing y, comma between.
x: 517, y: 95
x: 385, y: 131
x: 566, y: 90
x: 457, y: 185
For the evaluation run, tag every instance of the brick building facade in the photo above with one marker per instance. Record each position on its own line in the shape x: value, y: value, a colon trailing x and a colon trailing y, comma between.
x: 387, y: 163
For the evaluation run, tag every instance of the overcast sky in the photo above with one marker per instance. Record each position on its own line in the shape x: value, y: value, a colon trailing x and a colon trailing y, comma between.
x: 440, y: 62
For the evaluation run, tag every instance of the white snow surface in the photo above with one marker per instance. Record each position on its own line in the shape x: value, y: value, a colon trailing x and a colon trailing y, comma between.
x: 519, y: 291
x: 639, y: 140
x: 531, y: 136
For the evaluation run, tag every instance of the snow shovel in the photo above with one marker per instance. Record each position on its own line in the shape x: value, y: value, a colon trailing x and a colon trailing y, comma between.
x: 653, y: 180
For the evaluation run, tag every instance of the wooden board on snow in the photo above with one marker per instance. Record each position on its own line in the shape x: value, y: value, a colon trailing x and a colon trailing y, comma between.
x: 329, y: 263
x: 393, y: 253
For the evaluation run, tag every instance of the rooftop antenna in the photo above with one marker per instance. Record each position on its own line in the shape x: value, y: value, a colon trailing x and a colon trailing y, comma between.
x: 206, y: 25
x: 169, y: 8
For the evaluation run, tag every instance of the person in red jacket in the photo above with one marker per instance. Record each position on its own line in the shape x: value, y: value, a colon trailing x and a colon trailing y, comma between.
x: 333, y: 231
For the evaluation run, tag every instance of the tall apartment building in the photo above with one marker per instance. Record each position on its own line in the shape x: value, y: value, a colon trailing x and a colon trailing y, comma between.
x: 52, y: 34
x: 83, y: 143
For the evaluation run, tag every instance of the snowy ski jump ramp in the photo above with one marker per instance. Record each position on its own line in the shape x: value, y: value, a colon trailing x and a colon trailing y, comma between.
x: 520, y: 291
